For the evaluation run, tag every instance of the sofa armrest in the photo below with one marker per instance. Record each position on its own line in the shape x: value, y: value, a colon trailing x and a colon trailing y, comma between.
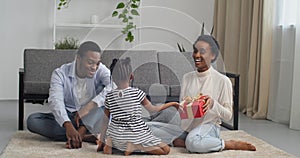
x: 236, y: 87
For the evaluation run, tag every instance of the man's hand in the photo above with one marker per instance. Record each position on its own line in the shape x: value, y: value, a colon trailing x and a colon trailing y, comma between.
x: 74, y: 140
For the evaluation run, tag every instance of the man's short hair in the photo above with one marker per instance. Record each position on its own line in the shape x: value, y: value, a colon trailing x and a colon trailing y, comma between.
x: 88, y: 46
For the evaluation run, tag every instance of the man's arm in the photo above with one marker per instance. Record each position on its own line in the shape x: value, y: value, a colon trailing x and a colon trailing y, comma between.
x: 56, y: 98
x: 57, y: 106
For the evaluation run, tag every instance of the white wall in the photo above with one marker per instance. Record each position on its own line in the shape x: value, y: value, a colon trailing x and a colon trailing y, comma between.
x: 29, y: 24
x: 164, y: 23
x: 23, y: 24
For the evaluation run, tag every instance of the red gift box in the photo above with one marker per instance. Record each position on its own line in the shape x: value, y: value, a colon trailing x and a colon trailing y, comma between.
x: 193, y: 109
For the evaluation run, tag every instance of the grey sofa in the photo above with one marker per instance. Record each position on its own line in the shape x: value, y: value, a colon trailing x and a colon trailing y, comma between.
x: 159, y: 74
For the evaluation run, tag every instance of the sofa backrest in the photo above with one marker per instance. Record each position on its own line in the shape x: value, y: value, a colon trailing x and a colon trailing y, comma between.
x: 144, y: 65
x: 158, y: 73
x: 172, y: 67
x: 38, y: 67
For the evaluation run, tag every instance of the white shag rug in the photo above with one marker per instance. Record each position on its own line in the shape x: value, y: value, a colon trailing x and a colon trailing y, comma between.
x: 28, y: 145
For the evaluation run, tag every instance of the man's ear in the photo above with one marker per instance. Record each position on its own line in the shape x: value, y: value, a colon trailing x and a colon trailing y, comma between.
x: 78, y: 58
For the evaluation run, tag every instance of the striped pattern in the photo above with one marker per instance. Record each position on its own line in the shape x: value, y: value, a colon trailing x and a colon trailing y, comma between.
x: 126, y: 124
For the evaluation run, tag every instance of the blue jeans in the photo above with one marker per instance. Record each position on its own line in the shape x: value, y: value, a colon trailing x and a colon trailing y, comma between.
x: 204, y: 138
x: 45, y: 124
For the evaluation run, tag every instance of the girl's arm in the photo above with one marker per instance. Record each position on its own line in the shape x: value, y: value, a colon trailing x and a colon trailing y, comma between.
x: 148, y: 105
x: 103, y: 129
x: 105, y: 124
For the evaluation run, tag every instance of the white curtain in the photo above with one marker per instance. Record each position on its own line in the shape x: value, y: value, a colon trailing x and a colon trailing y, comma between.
x: 284, y: 98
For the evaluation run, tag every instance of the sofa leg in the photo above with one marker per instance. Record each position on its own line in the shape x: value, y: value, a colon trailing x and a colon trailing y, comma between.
x: 21, y: 100
x: 21, y: 114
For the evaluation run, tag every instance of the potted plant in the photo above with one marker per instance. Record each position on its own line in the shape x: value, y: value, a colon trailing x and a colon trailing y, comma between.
x: 67, y: 43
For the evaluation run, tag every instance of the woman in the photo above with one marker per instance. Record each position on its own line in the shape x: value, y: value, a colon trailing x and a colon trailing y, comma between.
x: 203, y: 135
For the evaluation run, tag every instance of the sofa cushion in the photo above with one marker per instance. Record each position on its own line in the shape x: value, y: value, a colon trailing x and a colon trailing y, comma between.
x: 175, y: 90
x: 38, y: 67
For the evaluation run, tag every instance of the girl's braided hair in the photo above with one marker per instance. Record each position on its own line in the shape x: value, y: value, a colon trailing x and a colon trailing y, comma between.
x: 121, y: 69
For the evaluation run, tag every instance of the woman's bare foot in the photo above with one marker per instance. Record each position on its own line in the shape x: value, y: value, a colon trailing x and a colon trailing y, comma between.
x: 238, y: 145
x: 108, y: 146
x: 179, y: 142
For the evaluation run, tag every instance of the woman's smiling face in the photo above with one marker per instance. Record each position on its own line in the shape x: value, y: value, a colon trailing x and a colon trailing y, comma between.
x: 203, y: 56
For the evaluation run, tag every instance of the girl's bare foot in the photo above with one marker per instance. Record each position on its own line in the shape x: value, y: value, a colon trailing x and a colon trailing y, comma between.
x: 238, y: 145
x: 131, y: 148
x: 100, y: 145
x: 108, y: 146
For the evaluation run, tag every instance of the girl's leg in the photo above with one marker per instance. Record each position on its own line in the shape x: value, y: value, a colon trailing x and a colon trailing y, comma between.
x: 108, y: 146
x: 160, y: 149
x: 131, y: 148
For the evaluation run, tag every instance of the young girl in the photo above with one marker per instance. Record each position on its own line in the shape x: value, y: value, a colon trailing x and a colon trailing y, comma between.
x: 127, y: 131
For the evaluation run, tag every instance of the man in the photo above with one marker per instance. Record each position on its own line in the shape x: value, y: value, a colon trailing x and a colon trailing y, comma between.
x: 77, y: 93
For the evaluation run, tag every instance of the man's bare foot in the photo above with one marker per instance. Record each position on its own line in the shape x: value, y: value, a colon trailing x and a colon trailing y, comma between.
x: 108, y: 146
x: 90, y: 138
x: 238, y: 145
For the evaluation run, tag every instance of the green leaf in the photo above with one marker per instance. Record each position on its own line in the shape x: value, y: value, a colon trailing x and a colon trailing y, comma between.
x: 129, y: 26
x: 120, y: 5
x: 125, y: 11
x: 134, y: 6
x: 115, y: 13
x: 130, y: 17
x: 129, y: 37
x: 121, y: 16
x: 60, y: 4
x: 125, y: 20
x: 134, y: 12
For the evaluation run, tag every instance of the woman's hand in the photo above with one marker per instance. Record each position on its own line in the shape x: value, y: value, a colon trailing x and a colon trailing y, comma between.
x: 209, y: 103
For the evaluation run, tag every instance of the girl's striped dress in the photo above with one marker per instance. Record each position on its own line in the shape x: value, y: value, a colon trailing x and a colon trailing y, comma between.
x: 126, y: 123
